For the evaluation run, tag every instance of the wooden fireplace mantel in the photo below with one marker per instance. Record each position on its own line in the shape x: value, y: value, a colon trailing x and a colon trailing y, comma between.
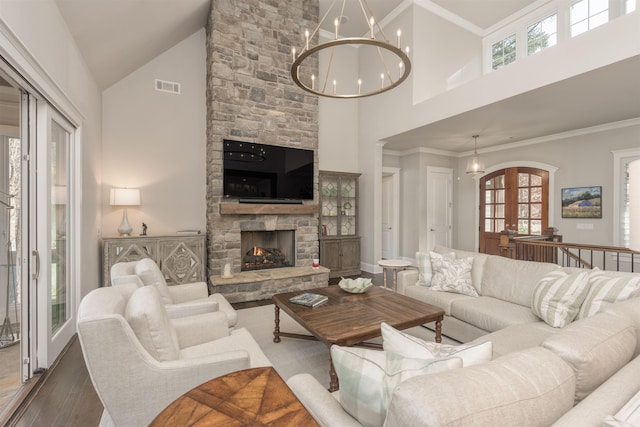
x: 267, y: 209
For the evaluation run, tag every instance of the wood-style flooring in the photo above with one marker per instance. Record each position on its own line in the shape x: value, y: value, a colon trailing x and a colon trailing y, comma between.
x: 67, y: 398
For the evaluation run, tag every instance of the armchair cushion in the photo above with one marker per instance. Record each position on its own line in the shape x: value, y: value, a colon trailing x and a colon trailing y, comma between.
x: 188, y: 292
x: 148, y: 319
x: 151, y: 275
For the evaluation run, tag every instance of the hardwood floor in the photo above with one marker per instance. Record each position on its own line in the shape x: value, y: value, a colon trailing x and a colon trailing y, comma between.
x: 67, y: 397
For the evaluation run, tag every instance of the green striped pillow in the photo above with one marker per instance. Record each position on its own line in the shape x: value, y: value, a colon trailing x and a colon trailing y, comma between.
x: 368, y: 377
x: 558, y: 295
x: 604, y: 289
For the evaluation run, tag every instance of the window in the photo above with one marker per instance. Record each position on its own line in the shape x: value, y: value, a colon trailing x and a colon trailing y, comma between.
x: 588, y: 14
x: 542, y: 34
x: 503, y: 52
x: 629, y: 6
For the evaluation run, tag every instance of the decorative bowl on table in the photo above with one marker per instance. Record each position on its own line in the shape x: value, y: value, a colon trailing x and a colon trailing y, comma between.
x: 355, y: 286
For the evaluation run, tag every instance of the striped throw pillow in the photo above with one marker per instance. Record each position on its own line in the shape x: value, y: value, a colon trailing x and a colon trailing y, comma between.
x: 368, y: 377
x: 605, y: 289
x: 558, y: 295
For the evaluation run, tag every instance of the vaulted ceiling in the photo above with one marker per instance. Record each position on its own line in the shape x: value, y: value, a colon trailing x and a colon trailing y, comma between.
x: 116, y: 37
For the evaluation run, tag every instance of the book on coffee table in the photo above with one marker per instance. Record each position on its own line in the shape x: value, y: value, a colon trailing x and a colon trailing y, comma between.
x: 309, y: 299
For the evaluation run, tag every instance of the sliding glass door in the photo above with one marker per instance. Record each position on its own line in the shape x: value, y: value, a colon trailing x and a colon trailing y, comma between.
x: 56, y: 323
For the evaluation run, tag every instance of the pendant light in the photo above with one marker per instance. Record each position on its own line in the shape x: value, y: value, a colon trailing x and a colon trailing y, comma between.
x: 475, y: 165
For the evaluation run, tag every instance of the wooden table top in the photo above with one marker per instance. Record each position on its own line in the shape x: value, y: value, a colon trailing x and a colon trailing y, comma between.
x: 256, y: 397
x: 348, y: 319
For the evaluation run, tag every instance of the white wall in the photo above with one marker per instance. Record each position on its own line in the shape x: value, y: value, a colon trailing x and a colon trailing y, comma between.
x: 338, y: 118
x: 41, y: 30
x: 156, y: 141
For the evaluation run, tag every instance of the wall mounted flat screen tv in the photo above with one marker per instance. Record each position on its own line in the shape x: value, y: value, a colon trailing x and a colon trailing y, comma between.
x: 267, y: 172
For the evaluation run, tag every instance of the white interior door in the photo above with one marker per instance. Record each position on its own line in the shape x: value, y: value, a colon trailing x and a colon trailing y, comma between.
x: 439, y: 207
x: 390, y: 212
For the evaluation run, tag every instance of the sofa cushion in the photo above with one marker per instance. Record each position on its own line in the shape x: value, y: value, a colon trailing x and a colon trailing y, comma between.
x: 595, y: 347
x: 558, y: 295
x: 605, y: 289
x: 442, y: 300
x: 151, y: 275
x: 406, y: 345
x: 368, y: 377
x: 496, y: 393
x: 478, y: 263
x: 454, y: 275
x: 490, y: 314
x: 517, y: 337
x: 512, y: 280
x: 150, y: 323
x: 426, y: 267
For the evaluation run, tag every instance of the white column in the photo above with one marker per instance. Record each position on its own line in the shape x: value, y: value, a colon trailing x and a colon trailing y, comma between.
x: 634, y: 205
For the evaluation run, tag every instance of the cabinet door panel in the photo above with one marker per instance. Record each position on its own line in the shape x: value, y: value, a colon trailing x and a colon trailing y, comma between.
x: 351, y: 254
x: 330, y: 254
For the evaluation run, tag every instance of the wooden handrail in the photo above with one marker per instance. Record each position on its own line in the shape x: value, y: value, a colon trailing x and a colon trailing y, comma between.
x: 566, y: 254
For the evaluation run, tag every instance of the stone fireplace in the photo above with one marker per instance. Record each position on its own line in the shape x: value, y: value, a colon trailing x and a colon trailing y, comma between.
x: 251, y: 97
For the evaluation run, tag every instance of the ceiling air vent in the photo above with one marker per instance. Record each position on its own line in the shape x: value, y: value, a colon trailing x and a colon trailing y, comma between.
x: 167, y: 86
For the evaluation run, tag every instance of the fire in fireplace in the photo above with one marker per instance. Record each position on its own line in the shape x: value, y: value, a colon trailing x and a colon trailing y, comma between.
x: 267, y: 249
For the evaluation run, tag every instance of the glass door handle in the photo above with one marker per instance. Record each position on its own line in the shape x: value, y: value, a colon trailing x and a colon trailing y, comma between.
x: 36, y: 274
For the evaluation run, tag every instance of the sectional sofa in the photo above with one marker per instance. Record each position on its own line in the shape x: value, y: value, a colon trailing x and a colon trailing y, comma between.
x: 583, y: 370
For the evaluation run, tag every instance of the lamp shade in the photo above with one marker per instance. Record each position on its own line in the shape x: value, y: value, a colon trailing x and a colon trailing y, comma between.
x: 125, y: 197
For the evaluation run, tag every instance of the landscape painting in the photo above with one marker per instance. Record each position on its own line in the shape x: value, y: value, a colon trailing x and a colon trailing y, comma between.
x: 582, y: 202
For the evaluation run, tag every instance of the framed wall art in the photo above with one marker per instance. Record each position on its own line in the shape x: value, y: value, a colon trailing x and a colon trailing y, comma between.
x: 582, y: 202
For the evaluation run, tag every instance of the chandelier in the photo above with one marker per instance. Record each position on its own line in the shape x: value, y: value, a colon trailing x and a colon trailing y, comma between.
x: 475, y: 165
x: 395, y: 65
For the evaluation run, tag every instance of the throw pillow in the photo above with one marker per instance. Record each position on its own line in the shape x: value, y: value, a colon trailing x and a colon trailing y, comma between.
x: 368, y: 377
x: 151, y: 275
x: 557, y: 297
x: 403, y: 344
x: 149, y: 321
x: 454, y: 275
x: 605, y: 289
x: 428, y: 263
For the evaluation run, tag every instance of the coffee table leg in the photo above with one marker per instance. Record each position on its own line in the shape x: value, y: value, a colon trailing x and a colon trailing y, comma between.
x: 438, y: 330
x: 333, y: 378
x: 276, y: 331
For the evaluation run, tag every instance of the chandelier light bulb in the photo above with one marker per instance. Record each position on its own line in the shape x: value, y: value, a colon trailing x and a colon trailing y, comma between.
x: 306, y: 56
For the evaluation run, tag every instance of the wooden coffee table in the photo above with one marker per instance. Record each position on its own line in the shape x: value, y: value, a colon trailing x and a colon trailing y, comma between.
x: 350, y: 319
x: 255, y: 397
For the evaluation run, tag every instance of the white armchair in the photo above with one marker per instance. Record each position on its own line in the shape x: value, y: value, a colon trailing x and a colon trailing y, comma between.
x: 140, y: 361
x: 180, y: 300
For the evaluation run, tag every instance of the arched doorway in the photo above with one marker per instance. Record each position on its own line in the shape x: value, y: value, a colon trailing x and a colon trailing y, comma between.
x: 516, y: 199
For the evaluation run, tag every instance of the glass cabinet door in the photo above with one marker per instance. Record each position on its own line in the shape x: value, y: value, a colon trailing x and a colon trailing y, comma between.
x: 338, y: 203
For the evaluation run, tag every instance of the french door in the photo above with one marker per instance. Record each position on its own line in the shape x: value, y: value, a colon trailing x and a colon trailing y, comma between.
x: 514, y: 199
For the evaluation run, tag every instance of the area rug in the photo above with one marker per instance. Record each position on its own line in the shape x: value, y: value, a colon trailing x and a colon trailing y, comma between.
x: 293, y: 356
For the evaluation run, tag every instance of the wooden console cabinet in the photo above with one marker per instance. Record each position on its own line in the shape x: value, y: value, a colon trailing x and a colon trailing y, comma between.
x: 338, y: 225
x: 181, y: 259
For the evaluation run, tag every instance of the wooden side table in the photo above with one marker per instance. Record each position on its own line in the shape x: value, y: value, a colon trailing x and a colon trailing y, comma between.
x: 255, y: 397
x: 394, y: 265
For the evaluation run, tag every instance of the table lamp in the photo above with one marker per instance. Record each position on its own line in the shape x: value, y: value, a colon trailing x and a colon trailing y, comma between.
x: 125, y: 197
